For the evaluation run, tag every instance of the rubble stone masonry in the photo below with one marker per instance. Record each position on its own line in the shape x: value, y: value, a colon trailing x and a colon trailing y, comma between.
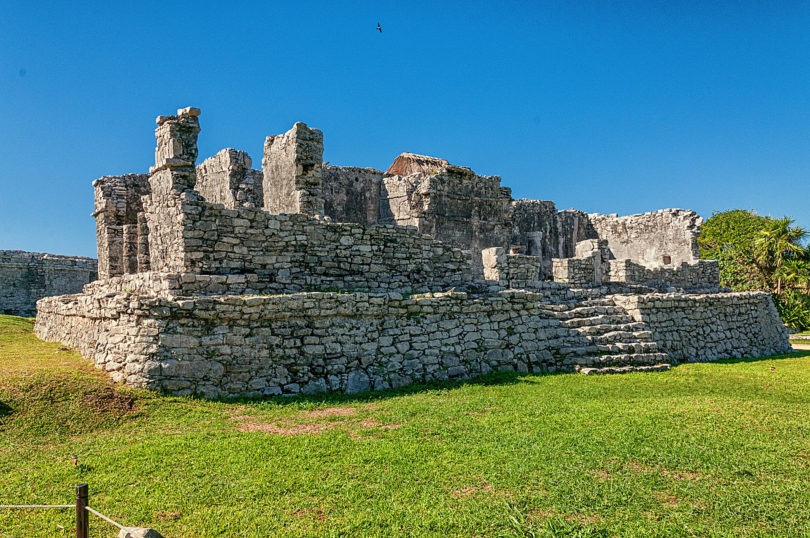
x: 217, y: 284
x: 26, y: 277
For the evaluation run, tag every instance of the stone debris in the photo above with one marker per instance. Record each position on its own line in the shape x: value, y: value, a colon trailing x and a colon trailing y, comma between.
x: 222, y: 281
x: 138, y: 532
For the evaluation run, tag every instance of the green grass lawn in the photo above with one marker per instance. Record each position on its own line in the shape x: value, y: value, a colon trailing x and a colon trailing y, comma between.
x: 718, y: 449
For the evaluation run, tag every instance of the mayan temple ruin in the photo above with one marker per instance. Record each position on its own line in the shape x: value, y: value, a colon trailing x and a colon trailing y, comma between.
x: 219, y: 280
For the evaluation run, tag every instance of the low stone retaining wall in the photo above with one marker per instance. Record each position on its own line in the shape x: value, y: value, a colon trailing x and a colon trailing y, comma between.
x: 702, y: 273
x: 697, y: 328
x: 306, y: 342
x: 225, y: 346
x: 26, y: 277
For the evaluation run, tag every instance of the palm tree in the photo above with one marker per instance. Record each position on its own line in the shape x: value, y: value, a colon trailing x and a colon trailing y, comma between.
x: 778, y: 243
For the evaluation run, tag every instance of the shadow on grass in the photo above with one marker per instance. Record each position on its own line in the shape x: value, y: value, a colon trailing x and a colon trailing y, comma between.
x: 495, y: 378
x: 794, y: 355
x: 5, y: 409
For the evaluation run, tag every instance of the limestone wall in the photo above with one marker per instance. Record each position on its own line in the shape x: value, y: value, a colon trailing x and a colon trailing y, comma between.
x: 699, y: 274
x: 298, y: 252
x: 313, y: 342
x: 453, y: 204
x: 26, y: 277
x: 305, y: 343
x: 578, y: 272
x: 544, y: 232
x: 352, y: 194
x: 502, y: 266
x: 697, y: 328
x: 664, y: 237
x: 118, y: 201
x: 292, y: 171
x: 228, y: 179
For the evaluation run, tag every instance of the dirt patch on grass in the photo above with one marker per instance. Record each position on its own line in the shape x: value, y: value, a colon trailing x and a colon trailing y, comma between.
x: 539, y: 515
x: 601, y: 474
x: 165, y: 515
x: 470, y: 491
x: 313, y: 423
x: 317, y: 514
x: 669, y: 473
x: 331, y: 412
x: 286, y: 429
x: 109, y: 400
x: 585, y: 519
x: 53, y: 403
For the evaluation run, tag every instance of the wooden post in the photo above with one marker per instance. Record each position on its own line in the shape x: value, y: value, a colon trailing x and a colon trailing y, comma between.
x: 82, y: 515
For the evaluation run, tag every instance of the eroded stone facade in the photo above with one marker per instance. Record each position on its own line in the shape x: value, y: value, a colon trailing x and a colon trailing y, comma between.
x: 26, y: 277
x: 349, y: 279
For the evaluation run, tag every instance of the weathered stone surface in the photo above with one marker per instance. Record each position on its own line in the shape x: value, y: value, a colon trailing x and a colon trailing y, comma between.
x: 452, y: 204
x: 292, y: 171
x: 509, y: 266
x: 177, y: 139
x: 26, y: 277
x: 664, y: 237
x: 228, y: 179
x: 544, y: 232
x: 223, y: 302
x: 137, y: 532
x: 118, y: 202
x: 698, y: 328
x: 352, y: 194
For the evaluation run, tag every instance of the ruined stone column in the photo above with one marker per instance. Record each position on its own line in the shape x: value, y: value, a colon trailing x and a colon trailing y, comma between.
x: 176, y: 152
x: 143, y: 243
x: 129, y: 254
x: 172, y: 181
x: 292, y: 171
x: 111, y: 251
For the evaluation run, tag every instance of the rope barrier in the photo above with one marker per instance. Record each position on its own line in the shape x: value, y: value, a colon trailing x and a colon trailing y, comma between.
x: 102, y: 516
x: 37, y: 506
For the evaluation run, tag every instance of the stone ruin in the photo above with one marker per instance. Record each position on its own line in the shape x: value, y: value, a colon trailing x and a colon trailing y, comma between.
x: 26, y: 277
x: 219, y: 280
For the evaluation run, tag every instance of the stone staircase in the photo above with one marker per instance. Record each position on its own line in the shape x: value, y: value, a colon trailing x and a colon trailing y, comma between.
x: 606, y: 339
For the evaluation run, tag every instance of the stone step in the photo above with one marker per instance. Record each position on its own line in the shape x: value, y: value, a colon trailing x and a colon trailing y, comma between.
x: 577, y: 351
x: 625, y: 369
x: 628, y: 347
x: 598, y: 330
x: 600, y: 301
x: 598, y: 320
x: 590, y: 311
x: 620, y: 336
x: 622, y: 359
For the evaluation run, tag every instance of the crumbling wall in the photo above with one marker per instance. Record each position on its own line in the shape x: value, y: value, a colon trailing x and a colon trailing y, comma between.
x: 700, y: 274
x: 306, y: 343
x: 228, y: 179
x: 26, y: 277
x: 697, y: 328
x: 450, y: 203
x: 544, y: 232
x: 580, y: 272
x: 352, y: 194
x: 118, y: 201
x: 500, y: 265
x: 297, y: 252
x: 171, y: 182
x: 664, y: 237
x: 351, y: 342
x: 292, y: 171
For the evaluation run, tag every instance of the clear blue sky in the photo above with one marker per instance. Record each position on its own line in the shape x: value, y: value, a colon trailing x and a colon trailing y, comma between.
x: 602, y: 106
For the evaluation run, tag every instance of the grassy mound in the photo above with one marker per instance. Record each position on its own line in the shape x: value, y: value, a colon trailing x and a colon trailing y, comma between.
x: 715, y: 449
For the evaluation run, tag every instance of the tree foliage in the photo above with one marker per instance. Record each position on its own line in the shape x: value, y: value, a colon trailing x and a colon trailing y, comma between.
x: 761, y: 253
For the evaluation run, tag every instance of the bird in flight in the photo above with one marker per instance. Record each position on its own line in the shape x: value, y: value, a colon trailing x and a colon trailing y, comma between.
x: 379, y: 27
